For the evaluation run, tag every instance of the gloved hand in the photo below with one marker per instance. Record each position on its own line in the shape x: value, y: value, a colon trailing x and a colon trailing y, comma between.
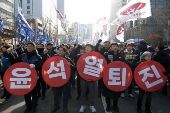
x: 99, y: 40
x: 165, y: 73
x: 9, y: 50
x: 32, y: 65
x: 45, y: 51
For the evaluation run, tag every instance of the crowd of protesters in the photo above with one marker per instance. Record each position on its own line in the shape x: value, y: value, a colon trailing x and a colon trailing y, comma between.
x: 36, y: 55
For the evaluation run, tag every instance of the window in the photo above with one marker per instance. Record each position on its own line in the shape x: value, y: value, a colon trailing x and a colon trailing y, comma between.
x: 153, y: 6
x: 161, y: 6
x: 28, y: 1
x: 161, y: 0
x: 168, y: 6
x: 28, y: 12
x: 153, y: 0
x: 28, y: 7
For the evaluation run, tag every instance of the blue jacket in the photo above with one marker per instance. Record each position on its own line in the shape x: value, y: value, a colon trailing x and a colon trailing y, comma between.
x: 31, y: 58
x: 6, y: 61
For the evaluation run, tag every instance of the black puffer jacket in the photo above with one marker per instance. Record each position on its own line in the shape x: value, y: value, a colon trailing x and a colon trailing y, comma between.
x: 163, y: 58
x: 103, y: 50
x: 111, y: 57
x: 51, y: 52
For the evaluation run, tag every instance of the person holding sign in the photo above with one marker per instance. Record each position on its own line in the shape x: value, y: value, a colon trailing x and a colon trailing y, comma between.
x: 163, y: 58
x: 87, y: 86
x: 146, y: 56
x: 64, y: 89
x: 31, y: 57
x: 129, y: 55
x: 112, y: 55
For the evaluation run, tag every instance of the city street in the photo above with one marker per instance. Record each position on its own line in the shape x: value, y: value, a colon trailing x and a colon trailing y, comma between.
x: 160, y: 104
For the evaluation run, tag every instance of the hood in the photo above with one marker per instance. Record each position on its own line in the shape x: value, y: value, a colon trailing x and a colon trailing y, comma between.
x: 143, y: 47
x: 162, y: 53
x: 40, y: 50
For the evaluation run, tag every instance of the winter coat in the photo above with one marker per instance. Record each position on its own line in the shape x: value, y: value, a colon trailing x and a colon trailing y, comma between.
x: 7, y: 59
x: 129, y: 57
x: 51, y: 52
x: 103, y: 50
x: 111, y: 57
x: 31, y: 58
x: 96, y: 49
x: 162, y: 57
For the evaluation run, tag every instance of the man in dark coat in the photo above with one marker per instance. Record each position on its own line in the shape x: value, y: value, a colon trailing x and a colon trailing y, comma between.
x: 41, y: 83
x: 51, y: 49
x: 163, y: 58
x: 112, y: 55
x: 57, y: 91
x: 102, y: 51
x: 31, y: 57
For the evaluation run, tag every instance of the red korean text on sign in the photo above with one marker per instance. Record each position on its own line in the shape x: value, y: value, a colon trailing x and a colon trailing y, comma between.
x: 20, y: 79
x: 56, y: 71
x: 90, y: 66
x: 149, y: 76
x: 117, y: 76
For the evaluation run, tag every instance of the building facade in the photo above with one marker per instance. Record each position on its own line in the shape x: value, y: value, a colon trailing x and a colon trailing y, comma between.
x: 86, y: 33
x: 41, y: 11
x: 7, y: 14
x: 156, y: 26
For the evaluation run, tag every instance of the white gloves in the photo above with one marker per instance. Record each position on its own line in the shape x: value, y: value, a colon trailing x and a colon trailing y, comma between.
x: 32, y: 65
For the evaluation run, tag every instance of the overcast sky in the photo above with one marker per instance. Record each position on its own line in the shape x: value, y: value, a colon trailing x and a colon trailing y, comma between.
x: 87, y: 11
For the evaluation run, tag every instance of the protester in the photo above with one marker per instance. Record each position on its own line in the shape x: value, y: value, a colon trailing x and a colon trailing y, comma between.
x: 51, y: 49
x: 98, y: 46
x: 62, y: 89
x: 41, y: 85
x: 146, y: 56
x: 102, y: 51
x: 87, y: 85
x: 7, y: 59
x: 82, y: 51
x: 129, y: 55
x: 18, y: 50
x: 112, y: 55
x: 163, y: 58
x: 34, y: 60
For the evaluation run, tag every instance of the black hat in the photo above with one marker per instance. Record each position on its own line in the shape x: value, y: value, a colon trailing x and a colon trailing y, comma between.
x: 143, y: 42
x: 114, y: 43
x: 49, y: 44
x: 161, y: 47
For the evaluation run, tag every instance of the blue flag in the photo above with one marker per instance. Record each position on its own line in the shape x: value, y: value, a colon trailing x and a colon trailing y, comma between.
x: 70, y: 41
x: 37, y: 37
x: 76, y: 41
x: 44, y: 36
x: 24, y: 28
x: 1, y: 24
x: 56, y: 42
